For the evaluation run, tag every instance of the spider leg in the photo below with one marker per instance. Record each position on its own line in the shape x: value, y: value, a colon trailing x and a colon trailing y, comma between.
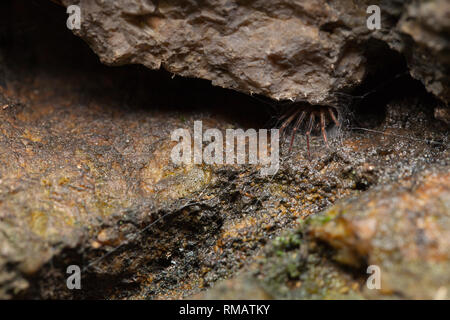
x: 322, y: 127
x: 296, y: 126
x: 287, y: 122
x: 308, y: 132
x: 330, y: 111
x: 281, y: 119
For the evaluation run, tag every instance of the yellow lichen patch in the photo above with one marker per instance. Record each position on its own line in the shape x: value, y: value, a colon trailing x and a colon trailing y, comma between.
x: 39, y: 223
x: 45, y: 182
x: 63, y: 180
x: 27, y: 134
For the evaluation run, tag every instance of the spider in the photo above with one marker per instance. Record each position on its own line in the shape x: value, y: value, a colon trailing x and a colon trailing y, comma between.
x: 308, y: 113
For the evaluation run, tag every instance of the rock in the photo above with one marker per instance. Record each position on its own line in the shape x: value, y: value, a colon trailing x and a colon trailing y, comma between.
x: 285, y: 49
x: 425, y: 27
x: 86, y: 177
x: 402, y: 228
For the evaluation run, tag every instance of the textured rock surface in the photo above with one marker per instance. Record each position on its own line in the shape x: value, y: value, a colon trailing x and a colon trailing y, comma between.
x: 284, y: 49
x: 426, y: 44
x: 84, y: 168
x: 403, y: 228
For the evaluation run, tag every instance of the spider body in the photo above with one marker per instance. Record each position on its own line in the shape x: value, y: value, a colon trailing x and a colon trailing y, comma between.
x: 309, y: 117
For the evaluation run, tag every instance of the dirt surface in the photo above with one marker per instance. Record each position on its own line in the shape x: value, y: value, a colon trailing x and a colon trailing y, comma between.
x: 86, y: 176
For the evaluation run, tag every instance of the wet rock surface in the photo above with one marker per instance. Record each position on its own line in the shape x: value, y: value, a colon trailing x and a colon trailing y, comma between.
x: 401, y: 228
x: 303, y: 51
x: 86, y: 179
